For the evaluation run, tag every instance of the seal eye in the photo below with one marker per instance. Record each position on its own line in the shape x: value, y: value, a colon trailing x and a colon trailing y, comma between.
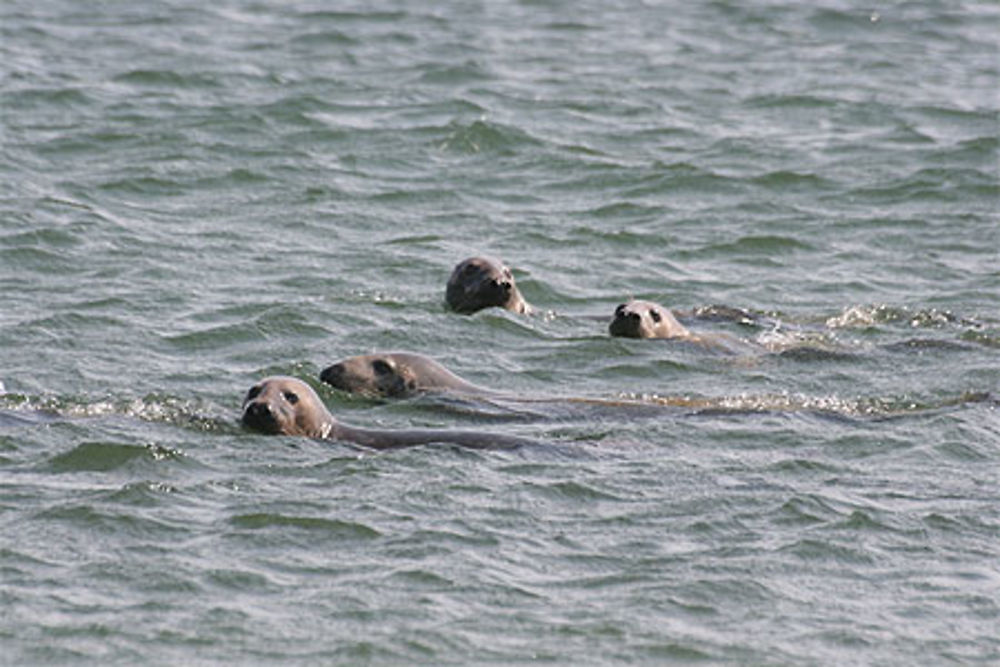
x: 291, y: 397
x: 655, y: 314
x: 253, y: 393
x: 469, y: 269
x: 381, y: 367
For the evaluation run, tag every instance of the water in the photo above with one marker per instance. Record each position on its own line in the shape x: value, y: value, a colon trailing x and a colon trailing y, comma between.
x: 195, y: 195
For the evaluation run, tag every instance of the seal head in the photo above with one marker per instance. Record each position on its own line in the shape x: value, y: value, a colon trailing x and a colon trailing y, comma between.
x: 483, y: 282
x: 395, y: 375
x: 286, y: 406
x: 645, y: 319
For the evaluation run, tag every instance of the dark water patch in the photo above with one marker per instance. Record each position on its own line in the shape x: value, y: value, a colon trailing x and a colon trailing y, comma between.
x: 143, y: 494
x: 146, y: 186
x: 318, y: 527
x: 663, y: 179
x: 987, y: 337
x: 757, y: 246
x: 795, y: 101
x: 485, y: 137
x: 572, y: 491
x: 929, y: 345
x: 808, y: 510
x: 240, y: 581
x: 34, y: 259
x: 128, y: 522
x: 787, y: 181
x: 963, y: 452
x: 166, y: 79
x: 450, y: 75
x: 810, y: 354
x: 23, y: 417
x: 324, y: 38
x: 106, y: 456
x: 627, y: 211
x: 623, y: 238
x: 219, y: 337
x: 940, y: 185
x: 45, y: 99
x: 817, y: 550
x: 318, y: 16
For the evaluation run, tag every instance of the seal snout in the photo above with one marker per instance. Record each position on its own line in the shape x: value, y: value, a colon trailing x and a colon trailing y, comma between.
x: 334, y: 375
x: 626, y: 323
x: 259, y: 416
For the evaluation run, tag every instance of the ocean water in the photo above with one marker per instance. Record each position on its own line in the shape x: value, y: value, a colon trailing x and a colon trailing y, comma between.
x: 196, y: 195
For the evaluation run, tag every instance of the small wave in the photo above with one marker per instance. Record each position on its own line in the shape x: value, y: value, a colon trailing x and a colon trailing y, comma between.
x: 104, y: 456
x: 792, y: 403
x: 27, y: 410
x: 468, y: 72
x: 483, y: 136
x: 324, y: 37
x: 166, y: 79
x: 864, y: 316
x: 330, y: 527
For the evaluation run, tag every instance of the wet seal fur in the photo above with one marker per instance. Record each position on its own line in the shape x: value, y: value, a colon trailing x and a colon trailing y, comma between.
x: 280, y: 405
x: 483, y: 282
x: 395, y: 375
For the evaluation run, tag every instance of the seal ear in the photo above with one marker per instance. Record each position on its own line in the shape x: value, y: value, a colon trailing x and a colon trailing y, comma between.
x: 655, y: 314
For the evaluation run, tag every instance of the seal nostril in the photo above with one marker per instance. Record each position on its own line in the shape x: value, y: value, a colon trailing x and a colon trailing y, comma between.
x: 258, y: 410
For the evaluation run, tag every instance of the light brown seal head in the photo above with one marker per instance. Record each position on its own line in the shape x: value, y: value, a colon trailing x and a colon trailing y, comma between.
x: 395, y: 375
x: 286, y: 406
x: 645, y: 319
x: 281, y: 405
x: 483, y: 282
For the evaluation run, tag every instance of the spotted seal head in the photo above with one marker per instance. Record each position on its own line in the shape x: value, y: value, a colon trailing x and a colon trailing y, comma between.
x: 394, y: 374
x: 645, y: 319
x: 286, y: 406
x: 483, y: 282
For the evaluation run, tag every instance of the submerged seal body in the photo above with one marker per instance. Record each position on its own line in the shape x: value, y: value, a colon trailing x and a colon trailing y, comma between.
x: 645, y: 319
x: 396, y: 375
x: 483, y: 282
x: 282, y: 405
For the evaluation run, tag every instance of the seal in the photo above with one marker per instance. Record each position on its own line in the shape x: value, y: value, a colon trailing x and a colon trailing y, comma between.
x: 281, y: 405
x: 645, y: 319
x: 483, y: 282
x: 395, y: 375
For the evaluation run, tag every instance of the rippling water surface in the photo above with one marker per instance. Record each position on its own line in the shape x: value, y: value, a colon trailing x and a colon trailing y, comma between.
x: 195, y: 195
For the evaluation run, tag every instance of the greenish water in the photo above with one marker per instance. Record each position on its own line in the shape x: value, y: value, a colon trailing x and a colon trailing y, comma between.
x: 193, y: 196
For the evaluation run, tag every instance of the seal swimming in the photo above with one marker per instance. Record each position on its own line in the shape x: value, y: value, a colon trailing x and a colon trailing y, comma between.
x: 395, y: 375
x: 280, y: 405
x: 646, y: 319
x: 483, y: 282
